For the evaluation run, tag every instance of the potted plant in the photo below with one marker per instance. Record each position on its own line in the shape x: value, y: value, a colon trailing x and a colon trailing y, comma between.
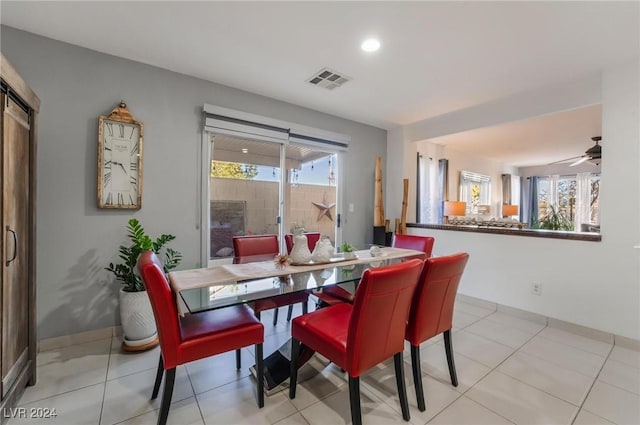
x: 136, y: 315
x: 348, y: 251
x: 553, y: 220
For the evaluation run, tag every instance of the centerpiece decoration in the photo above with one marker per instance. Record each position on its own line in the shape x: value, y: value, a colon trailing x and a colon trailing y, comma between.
x: 281, y: 261
x: 323, y: 251
x: 300, y: 252
x: 348, y: 251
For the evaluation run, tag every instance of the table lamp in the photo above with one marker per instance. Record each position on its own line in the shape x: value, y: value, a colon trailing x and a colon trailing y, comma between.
x: 509, y: 210
x: 454, y: 208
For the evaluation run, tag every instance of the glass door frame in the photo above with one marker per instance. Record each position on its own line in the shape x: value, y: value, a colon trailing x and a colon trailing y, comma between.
x: 206, y: 155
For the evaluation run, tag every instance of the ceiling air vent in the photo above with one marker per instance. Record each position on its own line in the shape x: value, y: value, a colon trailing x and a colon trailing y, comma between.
x: 328, y: 79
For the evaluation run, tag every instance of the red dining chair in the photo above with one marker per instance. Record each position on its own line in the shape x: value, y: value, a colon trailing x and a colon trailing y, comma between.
x: 246, y: 247
x: 195, y: 336
x: 358, y: 336
x: 335, y: 294
x: 418, y: 243
x: 312, y: 239
x: 432, y: 312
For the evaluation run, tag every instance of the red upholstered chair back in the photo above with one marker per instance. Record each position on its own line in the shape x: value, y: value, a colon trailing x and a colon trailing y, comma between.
x: 432, y: 307
x: 255, y: 245
x: 418, y: 243
x: 163, y: 303
x: 379, y: 316
x: 312, y: 239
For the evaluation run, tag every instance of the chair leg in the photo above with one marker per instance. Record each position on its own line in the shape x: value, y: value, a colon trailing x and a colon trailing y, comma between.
x: 275, y: 316
x: 156, y: 386
x: 417, y: 376
x: 290, y: 313
x: 293, y: 373
x: 238, y: 360
x: 354, y: 400
x: 450, y: 361
x: 166, y: 396
x: 402, y: 389
x: 260, y: 375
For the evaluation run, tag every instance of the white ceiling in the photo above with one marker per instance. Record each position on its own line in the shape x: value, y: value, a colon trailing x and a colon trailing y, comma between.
x: 536, y: 141
x: 436, y: 57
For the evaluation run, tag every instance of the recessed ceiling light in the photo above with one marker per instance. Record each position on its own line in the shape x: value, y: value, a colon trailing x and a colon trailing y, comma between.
x: 370, y: 45
x: 245, y: 150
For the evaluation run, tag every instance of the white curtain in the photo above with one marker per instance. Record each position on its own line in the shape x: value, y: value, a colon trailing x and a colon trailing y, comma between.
x: 553, y: 191
x: 583, y: 199
x: 429, y: 201
x: 515, y: 192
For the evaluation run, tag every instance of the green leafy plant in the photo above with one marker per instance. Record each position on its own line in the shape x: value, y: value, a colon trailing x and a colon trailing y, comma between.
x: 125, y: 272
x: 347, y: 247
x: 553, y: 220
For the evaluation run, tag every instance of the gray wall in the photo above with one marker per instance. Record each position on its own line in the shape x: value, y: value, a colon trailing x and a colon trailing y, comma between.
x: 75, y: 238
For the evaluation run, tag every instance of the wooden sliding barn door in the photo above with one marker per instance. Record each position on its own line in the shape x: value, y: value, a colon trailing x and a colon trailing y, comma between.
x: 16, y: 237
x: 19, y: 108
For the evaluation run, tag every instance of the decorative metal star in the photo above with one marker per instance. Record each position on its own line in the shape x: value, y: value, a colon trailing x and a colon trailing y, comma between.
x: 324, y: 207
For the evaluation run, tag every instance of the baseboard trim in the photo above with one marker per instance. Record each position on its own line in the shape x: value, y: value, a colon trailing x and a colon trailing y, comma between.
x: 47, y: 344
x: 581, y: 330
x: 523, y: 314
x: 585, y: 331
x: 625, y: 342
x: 477, y: 302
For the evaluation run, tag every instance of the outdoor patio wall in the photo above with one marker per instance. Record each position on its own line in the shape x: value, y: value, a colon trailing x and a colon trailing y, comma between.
x: 76, y: 240
x: 262, y: 204
x: 593, y: 284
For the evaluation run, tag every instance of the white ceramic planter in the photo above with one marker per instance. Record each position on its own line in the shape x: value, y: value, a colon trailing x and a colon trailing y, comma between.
x: 136, y: 317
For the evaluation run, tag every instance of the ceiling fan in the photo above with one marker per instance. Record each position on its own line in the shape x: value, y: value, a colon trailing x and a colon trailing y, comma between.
x: 593, y: 155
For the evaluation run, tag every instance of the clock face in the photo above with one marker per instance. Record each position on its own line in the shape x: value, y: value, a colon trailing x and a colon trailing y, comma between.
x: 120, y: 164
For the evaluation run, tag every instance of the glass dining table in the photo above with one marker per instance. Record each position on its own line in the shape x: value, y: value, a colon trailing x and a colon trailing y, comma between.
x: 260, y: 277
x: 244, y: 292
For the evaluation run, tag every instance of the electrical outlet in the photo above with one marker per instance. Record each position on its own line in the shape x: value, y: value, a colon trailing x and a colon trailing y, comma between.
x: 536, y: 288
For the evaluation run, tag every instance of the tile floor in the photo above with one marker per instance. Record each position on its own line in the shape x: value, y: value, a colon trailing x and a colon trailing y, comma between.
x: 511, y: 371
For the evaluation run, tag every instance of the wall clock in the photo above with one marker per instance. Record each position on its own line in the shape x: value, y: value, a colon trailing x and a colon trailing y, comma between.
x: 119, y: 160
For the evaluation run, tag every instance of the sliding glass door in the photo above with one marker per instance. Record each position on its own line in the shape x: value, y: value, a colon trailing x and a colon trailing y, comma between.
x: 311, y: 191
x: 265, y: 187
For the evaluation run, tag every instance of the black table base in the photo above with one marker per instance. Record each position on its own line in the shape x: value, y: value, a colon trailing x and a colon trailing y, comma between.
x: 277, y: 367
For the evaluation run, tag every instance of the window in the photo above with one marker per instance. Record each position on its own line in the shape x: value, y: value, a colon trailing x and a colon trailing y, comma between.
x: 574, y: 198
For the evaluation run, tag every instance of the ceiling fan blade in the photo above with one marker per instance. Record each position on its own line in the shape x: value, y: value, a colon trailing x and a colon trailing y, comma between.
x: 580, y: 161
x: 565, y: 160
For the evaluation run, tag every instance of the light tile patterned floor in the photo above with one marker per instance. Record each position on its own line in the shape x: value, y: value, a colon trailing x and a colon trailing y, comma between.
x: 511, y: 371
